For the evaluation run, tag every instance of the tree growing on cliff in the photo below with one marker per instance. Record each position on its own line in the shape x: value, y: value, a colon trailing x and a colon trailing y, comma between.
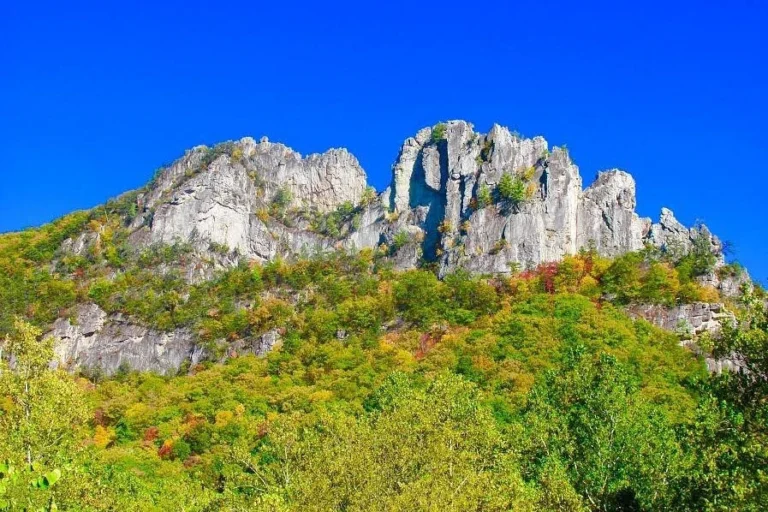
x: 484, y: 196
x: 511, y: 188
x: 438, y: 132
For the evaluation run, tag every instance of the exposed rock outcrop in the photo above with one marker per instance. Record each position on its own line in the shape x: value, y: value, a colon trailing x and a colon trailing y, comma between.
x: 93, y: 339
x: 223, y: 198
x: 691, y: 321
x: 685, y: 319
x: 223, y: 202
x: 437, y: 181
x: 261, y: 200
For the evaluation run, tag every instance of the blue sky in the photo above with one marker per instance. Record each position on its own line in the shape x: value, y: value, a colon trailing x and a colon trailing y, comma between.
x: 94, y: 97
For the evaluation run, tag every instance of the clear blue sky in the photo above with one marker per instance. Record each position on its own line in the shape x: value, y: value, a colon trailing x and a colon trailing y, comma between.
x: 94, y: 97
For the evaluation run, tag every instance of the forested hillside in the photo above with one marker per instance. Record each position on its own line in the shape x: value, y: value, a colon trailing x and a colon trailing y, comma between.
x: 387, y: 390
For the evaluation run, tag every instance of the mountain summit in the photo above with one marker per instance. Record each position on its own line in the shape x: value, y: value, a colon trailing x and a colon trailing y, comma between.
x: 459, y: 198
x: 489, y: 204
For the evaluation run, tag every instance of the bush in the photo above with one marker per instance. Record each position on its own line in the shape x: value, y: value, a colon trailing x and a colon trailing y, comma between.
x: 484, y: 196
x: 181, y: 450
x: 417, y: 295
x: 511, y: 188
x: 660, y: 285
x: 401, y: 238
x: 219, y: 248
x: 622, y: 279
x: 438, y: 132
x: 283, y: 198
x: 369, y: 196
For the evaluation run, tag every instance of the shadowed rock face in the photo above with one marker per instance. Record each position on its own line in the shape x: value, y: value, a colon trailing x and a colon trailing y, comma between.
x: 214, y: 199
x: 557, y: 217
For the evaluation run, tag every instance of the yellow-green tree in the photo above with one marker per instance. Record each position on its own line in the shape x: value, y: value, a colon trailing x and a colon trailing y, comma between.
x: 41, y: 412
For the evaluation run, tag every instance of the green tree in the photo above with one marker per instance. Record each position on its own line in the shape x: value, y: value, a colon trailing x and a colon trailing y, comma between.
x: 418, y: 449
x: 700, y: 259
x: 660, y: 285
x: 511, y: 188
x: 418, y: 297
x: 622, y: 279
x: 484, y: 196
x: 619, y: 452
x: 400, y: 239
x: 438, y: 132
x: 41, y: 414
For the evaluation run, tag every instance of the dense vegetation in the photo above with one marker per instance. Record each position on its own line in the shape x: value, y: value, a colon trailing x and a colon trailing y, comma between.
x: 390, y: 390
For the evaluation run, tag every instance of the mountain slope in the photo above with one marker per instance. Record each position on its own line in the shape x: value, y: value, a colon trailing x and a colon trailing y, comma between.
x: 111, y: 281
x: 254, y: 330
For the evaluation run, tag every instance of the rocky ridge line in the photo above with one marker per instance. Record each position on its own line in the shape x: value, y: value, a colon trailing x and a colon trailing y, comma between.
x: 261, y: 200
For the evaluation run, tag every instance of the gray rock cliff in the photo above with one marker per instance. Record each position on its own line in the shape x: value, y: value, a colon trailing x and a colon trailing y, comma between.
x: 436, y: 184
x: 262, y: 200
x: 225, y: 198
x: 93, y: 339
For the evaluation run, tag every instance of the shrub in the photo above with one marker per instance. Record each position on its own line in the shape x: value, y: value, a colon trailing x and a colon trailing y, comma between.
x: 181, y: 450
x: 262, y: 214
x: 511, y: 189
x: 417, y: 295
x: 391, y: 216
x: 283, y: 198
x: 528, y: 173
x: 733, y: 269
x: 623, y: 278
x: 401, y: 238
x: 219, y: 248
x: 660, y: 285
x: 499, y: 246
x: 438, y: 132
x: 485, y: 152
x: 346, y: 208
x: 484, y: 196
x: 702, y: 258
x: 369, y: 196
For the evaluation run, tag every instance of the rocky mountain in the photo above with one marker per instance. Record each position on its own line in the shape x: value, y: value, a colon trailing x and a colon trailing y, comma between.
x: 260, y: 200
x: 488, y: 203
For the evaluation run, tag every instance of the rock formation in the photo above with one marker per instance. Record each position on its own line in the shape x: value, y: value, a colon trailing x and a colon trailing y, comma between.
x: 93, y: 339
x: 691, y: 321
x: 262, y: 200
x: 223, y: 199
